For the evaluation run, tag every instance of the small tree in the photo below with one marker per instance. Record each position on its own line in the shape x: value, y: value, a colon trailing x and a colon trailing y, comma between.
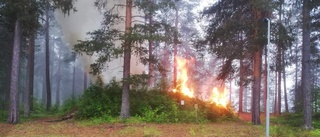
x: 102, y: 42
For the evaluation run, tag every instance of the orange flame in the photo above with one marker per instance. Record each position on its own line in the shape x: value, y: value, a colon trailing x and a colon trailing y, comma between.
x: 219, y: 98
x: 183, y: 77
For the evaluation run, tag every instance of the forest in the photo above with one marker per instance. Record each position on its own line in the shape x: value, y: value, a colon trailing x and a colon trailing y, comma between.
x: 160, y: 68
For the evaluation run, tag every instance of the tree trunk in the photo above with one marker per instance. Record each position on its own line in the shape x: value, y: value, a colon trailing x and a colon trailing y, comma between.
x: 44, y: 91
x: 175, y: 48
x: 125, y: 102
x: 74, y: 79
x: 241, y: 86
x: 255, y: 104
x: 275, y: 95
x: 230, y: 91
x: 48, y: 86
x: 305, y: 76
x: 58, y: 82
x: 296, y: 91
x: 257, y: 63
x: 279, y: 82
x: 150, y: 48
x: 284, y: 84
x: 85, y: 80
x: 14, y: 93
x: 30, y: 72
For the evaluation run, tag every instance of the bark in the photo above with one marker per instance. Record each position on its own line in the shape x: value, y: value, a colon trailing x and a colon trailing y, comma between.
x: 241, y: 86
x: 58, y: 82
x: 305, y: 76
x: 255, y: 104
x: 257, y: 62
x: 30, y: 72
x: 48, y: 85
x: 175, y: 48
x: 44, y: 92
x: 85, y: 80
x: 230, y: 91
x: 275, y: 96
x: 125, y: 102
x: 285, y: 84
x: 296, y: 91
x: 279, y: 82
x: 14, y: 93
x: 74, y: 80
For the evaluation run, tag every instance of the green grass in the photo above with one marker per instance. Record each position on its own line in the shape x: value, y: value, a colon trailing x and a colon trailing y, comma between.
x: 290, y: 125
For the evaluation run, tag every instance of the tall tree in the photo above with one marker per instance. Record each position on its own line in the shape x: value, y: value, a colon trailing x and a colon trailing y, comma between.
x: 58, y: 91
x: 74, y: 78
x: 47, y: 39
x: 305, y: 76
x: 30, y: 74
x: 241, y: 84
x: 14, y: 95
x: 175, y: 46
x: 227, y: 22
x: 85, y: 80
x: 125, y: 103
x: 149, y: 17
x: 285, y: 84
x: 102, y: 41
x: 279, y: 56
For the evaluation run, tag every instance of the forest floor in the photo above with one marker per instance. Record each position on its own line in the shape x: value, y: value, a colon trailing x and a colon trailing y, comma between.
x: 71, y: 128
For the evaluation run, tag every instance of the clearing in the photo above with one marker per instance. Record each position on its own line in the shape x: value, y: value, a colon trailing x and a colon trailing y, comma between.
x: 71, y: 128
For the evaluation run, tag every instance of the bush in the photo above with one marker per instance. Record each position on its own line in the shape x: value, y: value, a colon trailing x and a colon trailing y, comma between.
x: 290, y: 119
x: 3, y: 116
x: 98, y: 101
x: 147, y: 106
x: 69, y: 105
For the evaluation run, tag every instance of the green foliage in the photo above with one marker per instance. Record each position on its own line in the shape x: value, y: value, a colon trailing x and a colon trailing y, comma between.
x: 3, y: 116
x: 102, y: 103
x: 69, y: 105
x: 280, y: 131
x: 293, y: 120
x: 38, y: 107
x: 290, y: 125
x: 98, y: 101
x: 315, y: 133
x: 102, y: 41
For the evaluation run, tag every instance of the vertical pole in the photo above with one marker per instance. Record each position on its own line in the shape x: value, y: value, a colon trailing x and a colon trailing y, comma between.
x: 268, y: 82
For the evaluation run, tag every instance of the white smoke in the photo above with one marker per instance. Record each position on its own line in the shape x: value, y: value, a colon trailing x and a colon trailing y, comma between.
x: 88, y: 18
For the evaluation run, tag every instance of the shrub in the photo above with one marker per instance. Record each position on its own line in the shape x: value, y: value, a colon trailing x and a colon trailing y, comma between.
x: 3, y: 116
x: 98, y: 101
x: 147, y: 106
x: 289, y: 119
x: 69, y: 105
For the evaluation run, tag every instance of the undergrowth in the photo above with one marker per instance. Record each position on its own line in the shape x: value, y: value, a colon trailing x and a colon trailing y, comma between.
x: 290, y: 125
x: 101, y: 103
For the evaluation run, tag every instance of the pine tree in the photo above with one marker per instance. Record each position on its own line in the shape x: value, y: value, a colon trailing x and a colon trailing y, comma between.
x: 229, y: 22
x: 102, y: 41
x: 307, y: 109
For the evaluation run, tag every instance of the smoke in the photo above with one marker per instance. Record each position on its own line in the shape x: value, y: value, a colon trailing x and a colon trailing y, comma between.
x: 88, y: 18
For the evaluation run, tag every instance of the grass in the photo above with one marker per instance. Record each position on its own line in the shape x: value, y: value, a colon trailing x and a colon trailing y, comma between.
x: 288, y: 125
x: 134, y: 127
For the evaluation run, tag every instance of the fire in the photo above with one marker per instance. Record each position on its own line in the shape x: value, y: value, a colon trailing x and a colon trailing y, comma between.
x: 185, y: 85
x: 219, y: 98
x: 183, y: 77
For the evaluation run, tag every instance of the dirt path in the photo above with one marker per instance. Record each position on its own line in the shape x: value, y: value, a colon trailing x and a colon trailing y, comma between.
x: 70, y: 128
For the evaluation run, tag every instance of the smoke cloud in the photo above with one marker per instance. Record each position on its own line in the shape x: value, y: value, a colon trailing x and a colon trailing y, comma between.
x: 88, y: 18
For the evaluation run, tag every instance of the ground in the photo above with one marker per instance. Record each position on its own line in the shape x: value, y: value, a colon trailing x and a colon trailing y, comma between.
x: 71, y: 128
